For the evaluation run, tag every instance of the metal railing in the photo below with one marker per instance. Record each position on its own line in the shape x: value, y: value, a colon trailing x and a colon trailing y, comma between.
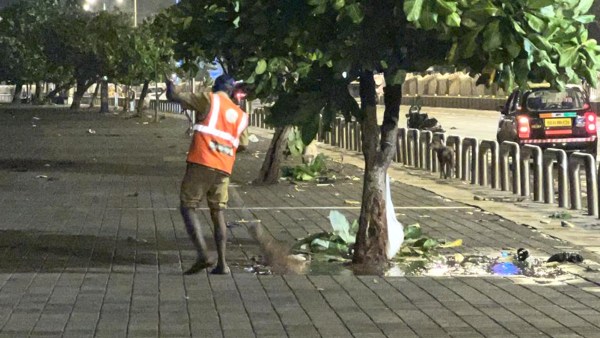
x: 523, y: 170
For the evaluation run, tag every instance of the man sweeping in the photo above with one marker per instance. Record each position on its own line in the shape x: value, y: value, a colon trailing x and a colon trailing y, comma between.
x: 219, y: 132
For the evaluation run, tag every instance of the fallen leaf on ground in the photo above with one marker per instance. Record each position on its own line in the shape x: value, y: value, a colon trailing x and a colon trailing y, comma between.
x: 452, y: 244
x: 352, y: 202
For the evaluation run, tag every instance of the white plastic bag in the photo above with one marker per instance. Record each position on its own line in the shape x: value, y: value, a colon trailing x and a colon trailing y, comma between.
x: 395, y: 229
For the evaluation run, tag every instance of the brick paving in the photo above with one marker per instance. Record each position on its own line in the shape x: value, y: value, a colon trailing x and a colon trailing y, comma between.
x: 92, y: 245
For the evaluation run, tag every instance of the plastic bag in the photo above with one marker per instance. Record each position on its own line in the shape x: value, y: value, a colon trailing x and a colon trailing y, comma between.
x: 395, y: 229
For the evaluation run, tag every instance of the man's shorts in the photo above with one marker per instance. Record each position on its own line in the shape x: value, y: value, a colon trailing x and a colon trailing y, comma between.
x: 200, y: 181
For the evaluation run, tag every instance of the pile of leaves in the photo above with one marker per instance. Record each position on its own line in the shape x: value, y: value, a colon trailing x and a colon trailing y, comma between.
x: 419, y: 245
x: 338, y: 245
x: 307, y: 171
x: 317, y: 170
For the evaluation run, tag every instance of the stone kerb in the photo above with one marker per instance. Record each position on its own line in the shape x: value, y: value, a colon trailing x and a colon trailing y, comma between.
x: 420, y: 85
x: 430, y: 84
x: 410, y: 85
x: 442, y: 84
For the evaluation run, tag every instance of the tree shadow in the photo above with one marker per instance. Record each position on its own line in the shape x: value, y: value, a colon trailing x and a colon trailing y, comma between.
x: 29, y: 251
x: 50, y: 166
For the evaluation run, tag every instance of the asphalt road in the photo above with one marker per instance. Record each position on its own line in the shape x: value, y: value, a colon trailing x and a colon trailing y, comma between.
x: 481, y: 124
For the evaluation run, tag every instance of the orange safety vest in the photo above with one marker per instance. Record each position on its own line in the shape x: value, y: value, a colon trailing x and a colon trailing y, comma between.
x: 216, y: 139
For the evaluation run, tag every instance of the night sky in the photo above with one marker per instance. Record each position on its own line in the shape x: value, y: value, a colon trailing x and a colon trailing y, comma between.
x: 145, y: 7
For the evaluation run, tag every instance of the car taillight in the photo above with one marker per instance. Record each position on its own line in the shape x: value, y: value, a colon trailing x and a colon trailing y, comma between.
x: 523, y: 129
x: 590, y: 122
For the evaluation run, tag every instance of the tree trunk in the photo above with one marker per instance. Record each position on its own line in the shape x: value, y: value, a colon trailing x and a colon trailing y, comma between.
x: 18, y: 91
x: 52, y: 94
x: 372, y: 236
x: 104, y: 96
x: 95, y: 95
x: 126, y: 105
x: 37, y: 98
x: 269, y: 172
x: 142, y: 101
x: 82, y: 86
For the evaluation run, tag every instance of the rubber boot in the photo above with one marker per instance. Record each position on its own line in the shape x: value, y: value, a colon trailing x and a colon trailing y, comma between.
x: 221, y: 240
x: 192, y: 226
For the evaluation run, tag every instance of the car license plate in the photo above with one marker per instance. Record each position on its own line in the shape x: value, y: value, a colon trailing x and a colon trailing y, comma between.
x: 557, y: 122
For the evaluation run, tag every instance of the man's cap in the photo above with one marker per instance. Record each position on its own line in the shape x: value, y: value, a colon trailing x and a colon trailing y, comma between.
x: 224, y: 83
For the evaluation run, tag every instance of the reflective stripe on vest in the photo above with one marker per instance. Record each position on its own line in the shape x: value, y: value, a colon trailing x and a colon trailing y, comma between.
x: 214, y: 118
x: 217, y: 137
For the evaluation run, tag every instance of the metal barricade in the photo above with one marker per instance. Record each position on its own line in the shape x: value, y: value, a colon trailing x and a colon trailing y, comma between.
x: 356, y: 136
x: 441, y: 137
x: 402, y: 146
x: 425, y: 149
x: 507, y: 149
x: 493, y: 148
x: 412, y: 153
x: 551, y: 156
x: 534, y: 153
x: 456, y: 143
x: 470, y: 143
x: 575, y: 162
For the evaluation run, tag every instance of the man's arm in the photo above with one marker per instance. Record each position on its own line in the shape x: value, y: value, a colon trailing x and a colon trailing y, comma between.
x: 243, y: 146
x: 197, y: 102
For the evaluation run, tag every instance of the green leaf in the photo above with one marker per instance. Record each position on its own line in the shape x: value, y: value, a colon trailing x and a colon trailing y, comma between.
x: 568, y: 56
x: 413, y: 8
x: 584, y: 6
x: 187, y: 22
x: 492, y: 39
x: 430, y: 244
x: 445, y: 7
x: 585, y: 19
x: 337, y: 4
x: 537, y: 4
x: 261, y: 67
x: 468, y: 43
x: 512, y: 46
x: 413, y: 231
x: 535, y: 23
x: 355, y: 12
x: 547, y: 12
x: 453, y: 244
x: 354, y: 228
x: 453, y: 20
x: 341, y: 227
x: 236, y: 22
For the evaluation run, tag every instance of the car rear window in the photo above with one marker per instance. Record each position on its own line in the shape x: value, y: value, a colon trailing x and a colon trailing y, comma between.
x: 544, y: 100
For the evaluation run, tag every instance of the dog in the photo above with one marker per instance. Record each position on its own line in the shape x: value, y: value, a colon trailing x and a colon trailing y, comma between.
x: 445, y: 157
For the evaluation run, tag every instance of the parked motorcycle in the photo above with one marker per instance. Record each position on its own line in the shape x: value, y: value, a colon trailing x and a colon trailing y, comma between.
x: 417, y: 120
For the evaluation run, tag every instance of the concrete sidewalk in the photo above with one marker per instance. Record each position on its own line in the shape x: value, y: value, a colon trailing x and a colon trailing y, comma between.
x: 92, y: 244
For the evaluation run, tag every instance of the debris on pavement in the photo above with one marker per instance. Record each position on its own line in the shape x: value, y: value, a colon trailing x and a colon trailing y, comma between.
x: 252, y: 138
x: 91, y: 131
x: 561, y: 215
x: 563, y: 257
x: 522, y: 254
x: 566, y: 224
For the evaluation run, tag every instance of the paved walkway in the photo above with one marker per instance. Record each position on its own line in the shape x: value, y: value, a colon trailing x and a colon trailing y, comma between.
x: 92, y: 244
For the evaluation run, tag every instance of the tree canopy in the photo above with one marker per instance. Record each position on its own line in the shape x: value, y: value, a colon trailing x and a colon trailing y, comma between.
x: 57, y: 41
x: 303, y: 54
